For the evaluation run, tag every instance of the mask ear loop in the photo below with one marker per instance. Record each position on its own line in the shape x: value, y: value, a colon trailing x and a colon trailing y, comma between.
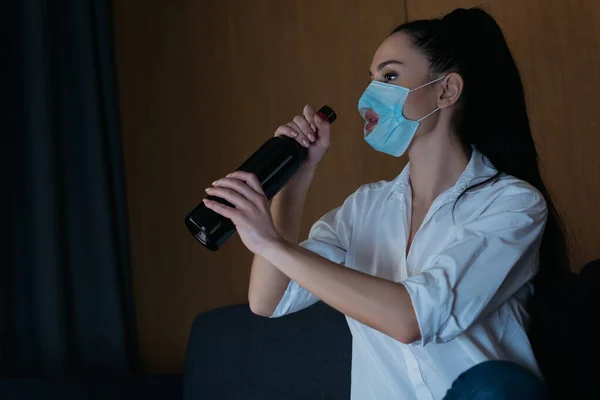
x: 428, y: 83
x: 422, y: 86
x: 434, y: 111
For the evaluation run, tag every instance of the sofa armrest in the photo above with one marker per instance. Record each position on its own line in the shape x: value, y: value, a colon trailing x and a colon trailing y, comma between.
x: 234, y: 354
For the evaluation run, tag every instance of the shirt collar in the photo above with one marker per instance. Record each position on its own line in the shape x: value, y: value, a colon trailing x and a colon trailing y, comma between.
x: 478, y: 170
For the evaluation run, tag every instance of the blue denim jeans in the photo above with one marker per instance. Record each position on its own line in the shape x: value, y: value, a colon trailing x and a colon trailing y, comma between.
x: 497, y: 380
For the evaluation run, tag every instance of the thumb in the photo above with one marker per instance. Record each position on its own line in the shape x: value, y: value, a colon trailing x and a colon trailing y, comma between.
x: 323, y: 128
x: 321, y: 122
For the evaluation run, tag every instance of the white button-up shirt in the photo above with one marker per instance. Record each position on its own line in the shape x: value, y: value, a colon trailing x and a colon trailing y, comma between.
x: 468, y: 273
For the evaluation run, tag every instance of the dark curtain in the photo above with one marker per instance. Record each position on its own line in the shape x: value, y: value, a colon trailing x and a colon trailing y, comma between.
x: 66, y: 295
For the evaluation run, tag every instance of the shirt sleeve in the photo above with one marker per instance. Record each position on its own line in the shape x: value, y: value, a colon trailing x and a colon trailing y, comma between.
x: 330, y: 238
x: 492, y: 258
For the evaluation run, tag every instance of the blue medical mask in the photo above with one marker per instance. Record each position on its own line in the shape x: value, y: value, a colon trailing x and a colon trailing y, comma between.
x: 393, y: 133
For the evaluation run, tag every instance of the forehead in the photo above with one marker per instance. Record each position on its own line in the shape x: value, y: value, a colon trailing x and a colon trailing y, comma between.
x: 399, y: 47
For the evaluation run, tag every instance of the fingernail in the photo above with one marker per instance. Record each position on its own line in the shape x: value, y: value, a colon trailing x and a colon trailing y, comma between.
x: 205, y: 201
x: 311, y: 137
x: 314, y: 128
x: 304, y: 142
x: 318, y: 119
x: 214, y: 183
x: 207, y: 190
x: 294, y: 133
x: 229, y: 175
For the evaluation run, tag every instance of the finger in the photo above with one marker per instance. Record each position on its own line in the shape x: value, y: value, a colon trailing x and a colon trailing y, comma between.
x: 285, y: 130
x: 250, y: 179
x: 241, y: 187
x: 292, y: 125
x: 221, y: 209
x: 305, y: 127
x: 231, y: 196
x: 301, y: 138
x: 309, y: 113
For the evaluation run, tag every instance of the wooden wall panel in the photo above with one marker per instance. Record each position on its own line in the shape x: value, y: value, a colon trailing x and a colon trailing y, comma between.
x: 556, y: 44
x: 202, y: 85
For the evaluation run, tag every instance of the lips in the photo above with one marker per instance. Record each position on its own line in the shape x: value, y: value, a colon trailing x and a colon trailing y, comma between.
x: 372, y: 118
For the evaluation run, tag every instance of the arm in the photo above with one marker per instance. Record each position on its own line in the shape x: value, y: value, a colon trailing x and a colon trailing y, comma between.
x: 267, y: 282
x: 381, y: 304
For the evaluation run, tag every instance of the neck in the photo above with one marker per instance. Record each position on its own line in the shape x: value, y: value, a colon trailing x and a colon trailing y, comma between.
x: 437, y: 160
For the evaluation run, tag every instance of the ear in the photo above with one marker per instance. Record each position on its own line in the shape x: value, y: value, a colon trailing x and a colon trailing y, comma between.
x: 452, y: 86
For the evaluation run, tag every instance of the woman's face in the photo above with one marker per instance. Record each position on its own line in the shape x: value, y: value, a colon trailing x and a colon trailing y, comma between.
x: 397, y: 62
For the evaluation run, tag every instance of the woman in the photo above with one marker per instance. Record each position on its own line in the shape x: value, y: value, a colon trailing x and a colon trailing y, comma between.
x: 435, y: 269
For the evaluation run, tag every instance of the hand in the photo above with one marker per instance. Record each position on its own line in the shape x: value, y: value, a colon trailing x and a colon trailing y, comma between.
x: 252, y: 216
x: 311, y: 131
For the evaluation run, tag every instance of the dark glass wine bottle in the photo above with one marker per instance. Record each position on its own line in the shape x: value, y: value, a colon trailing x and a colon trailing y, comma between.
x: 274, y: 164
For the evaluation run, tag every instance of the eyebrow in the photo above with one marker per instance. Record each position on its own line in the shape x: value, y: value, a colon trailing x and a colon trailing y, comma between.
x: 384, y: 64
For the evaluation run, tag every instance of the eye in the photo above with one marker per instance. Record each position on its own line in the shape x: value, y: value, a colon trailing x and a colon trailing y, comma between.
x: 390, y: 76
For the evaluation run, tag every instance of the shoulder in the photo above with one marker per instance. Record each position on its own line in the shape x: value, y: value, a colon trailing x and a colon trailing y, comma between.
x: 501, y: 189
x: 371, y: 192
x: 512, y: 191
x: 505, y: 196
